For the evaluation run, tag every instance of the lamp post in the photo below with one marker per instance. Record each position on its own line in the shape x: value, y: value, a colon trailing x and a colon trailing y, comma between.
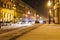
x: 53, y: 11
x: 49, y: 5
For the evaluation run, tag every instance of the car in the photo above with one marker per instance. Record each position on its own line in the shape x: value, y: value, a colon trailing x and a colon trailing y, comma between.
x: 37, y: 21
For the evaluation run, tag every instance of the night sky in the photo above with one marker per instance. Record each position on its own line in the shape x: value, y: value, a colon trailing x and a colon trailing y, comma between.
x: 39, y: 5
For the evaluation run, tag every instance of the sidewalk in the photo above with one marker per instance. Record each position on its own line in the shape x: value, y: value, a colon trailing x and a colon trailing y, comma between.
x: 12, y: 26
x: 11, y: 35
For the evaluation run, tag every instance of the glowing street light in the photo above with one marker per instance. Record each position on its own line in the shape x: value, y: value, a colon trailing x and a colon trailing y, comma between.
x: 40, y: 17
x: 49, y: 3
x: 37, y: 15
x: 26, y: 15
x: 28, y: 12
x: 14, y: 5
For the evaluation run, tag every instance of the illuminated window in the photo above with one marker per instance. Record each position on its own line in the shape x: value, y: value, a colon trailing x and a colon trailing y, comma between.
x: 4, y: 5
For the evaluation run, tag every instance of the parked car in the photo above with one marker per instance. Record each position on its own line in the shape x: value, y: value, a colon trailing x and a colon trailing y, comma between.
x: 37, y: 21
x: 44, y: 22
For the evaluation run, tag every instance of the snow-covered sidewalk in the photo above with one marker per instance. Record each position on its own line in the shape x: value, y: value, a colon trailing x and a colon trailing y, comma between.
x: 16, y: 25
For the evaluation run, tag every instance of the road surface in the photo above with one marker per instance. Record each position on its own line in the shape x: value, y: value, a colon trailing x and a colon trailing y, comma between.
x: 44, y: 32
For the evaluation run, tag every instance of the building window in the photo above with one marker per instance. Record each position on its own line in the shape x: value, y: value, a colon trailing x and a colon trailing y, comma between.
x: 10, y: 7
x: 59, y: 1
x: 7, y: 5
x: 4, y: 5
x: 1, y: 4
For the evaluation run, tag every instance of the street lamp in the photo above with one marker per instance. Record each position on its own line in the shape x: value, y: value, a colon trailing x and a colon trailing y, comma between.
x: 51, y: 10
x: 26, y: 15
x: 40, y: 17
x: 49, y: 5
x: 37, y: 15
x: 28, y: 12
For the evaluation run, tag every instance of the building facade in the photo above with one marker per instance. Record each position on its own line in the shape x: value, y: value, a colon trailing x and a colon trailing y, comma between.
x: 12, y: 9
x: 23, y: 10
x: 6, y: 10
x: 57, y: 11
